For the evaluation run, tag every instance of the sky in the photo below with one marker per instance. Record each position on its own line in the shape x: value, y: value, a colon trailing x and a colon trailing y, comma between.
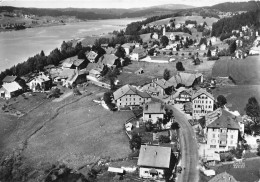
x: 106, y: 3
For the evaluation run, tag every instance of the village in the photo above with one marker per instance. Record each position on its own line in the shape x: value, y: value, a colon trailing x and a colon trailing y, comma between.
x: 163, y: 89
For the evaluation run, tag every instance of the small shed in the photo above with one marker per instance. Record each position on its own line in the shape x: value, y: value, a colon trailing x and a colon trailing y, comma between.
x: 139, y: 71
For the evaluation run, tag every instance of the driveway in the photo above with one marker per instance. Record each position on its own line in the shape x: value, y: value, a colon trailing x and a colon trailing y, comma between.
x: 189, y: 148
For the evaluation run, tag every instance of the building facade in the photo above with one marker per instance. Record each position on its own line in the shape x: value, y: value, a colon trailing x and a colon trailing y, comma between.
x: 222, y: 133
x: 202, y: 103
x: 153, y: 111
x: 130, y: 96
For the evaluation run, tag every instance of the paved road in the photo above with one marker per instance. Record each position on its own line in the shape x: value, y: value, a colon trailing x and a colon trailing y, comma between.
x: 189, y: 149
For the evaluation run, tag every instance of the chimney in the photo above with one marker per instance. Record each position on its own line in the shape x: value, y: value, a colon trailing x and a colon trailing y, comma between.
x: 155, y: 153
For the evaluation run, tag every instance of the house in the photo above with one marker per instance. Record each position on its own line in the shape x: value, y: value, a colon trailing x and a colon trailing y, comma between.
x: 139, y: 71
x: 155, y: 36
x: 137, y: 54
x: 203, y: 47
x: 128, y: 48
x: 74, y: 63
x: 223, y: 177
x: 184, y: 96
x: 10, y: 90
x: 254, y: 51
x: 153, y: 161
x: 190, y: 26
x: 222, y: 133
x: 178, y: 25
x: 213, y: 39
x: 202, y: 103
x: 152, y: 111
x: 40, y: 82
x: 158, y: 87
x: 186, y: 79
x: 245, y: 28
x: 108, y: 59
x: 130, y: 96
x: 91, y: 56
x: 239, y: 54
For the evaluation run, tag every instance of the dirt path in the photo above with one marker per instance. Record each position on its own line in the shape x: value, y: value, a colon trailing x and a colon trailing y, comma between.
x: 62, y: 97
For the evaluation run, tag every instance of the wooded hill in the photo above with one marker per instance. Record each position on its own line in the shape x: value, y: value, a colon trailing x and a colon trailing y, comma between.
x: 237, y: 6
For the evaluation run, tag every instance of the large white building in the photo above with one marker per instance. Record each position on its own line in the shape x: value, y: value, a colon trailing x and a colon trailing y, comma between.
x: 202, y: 103
x: 222, y: 133
x: 153, y: 111
x: 130, y: 96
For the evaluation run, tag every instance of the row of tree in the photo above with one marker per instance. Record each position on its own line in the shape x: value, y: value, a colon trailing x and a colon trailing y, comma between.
x: 226, y: 25
x: 37, y: 62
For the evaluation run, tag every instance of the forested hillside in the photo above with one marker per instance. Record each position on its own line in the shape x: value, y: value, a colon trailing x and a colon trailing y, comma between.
x: 226, y: 25
x: 237, y: 6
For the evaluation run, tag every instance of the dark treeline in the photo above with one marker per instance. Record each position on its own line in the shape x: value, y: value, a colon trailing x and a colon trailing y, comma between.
x: 134, y: 28
x: 37, y: 63
x: 226, y: 25
x: 237, y: 6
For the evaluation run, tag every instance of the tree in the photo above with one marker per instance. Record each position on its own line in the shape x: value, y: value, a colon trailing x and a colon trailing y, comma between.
x: 164, y: 41
x: 164, y: 139
x: 258, y: 150
x: 253, y: 110
x: 232, y: 47
x: 210, y: 43
x: 221, y: 101
x: 135, y: 142
x: 179, y: 66
x: 178, y: 47
x: 149, y: 126
x: 82, y: 55
x: 209, y: 53
x: 166, y: 74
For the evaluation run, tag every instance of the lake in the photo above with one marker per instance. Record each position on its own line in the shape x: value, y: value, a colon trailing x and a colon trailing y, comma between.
x: 17, y: 46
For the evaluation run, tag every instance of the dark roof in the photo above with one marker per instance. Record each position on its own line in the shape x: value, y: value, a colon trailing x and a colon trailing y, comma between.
x: 129, y: 90
x: 154, y: 108
x: 9, y: 79
x: 226, y: 120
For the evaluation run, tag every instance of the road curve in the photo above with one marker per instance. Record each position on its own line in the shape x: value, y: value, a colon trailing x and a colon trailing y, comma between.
x: 189, y: 149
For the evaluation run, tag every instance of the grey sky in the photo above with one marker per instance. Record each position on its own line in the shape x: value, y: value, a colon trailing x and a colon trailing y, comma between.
x: 105, y: 3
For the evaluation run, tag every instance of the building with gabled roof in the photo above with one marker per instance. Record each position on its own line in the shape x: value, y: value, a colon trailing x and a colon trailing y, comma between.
x: 130, y: 96
x: 40, y: 82
x: 186, y: 79
x: 108, y: 59
x: 137, y: 54
x: 73, y: 63
x: 222, y: 133
x: 202, y: 103
x: 91, y: 56
x: 158, y: 87
x: 153, y: 111
x: 10, y: 90
x: 153, y: 161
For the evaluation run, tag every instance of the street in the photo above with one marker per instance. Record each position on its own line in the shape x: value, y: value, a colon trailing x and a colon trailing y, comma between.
x: 189, y: 149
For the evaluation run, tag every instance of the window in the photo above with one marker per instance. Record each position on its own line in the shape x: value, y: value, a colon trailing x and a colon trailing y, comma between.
x: 120, y: 99
x: 232, y: 136
x: 213, y: 135
x: 213, y: 146
x: 231, y: 142
x: 150, y: 116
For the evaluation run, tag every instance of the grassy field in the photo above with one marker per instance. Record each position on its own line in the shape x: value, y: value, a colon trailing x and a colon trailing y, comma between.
x: 75, y: 131
x: 182, y: 19
x: 243, y: 71
x: 237, y: 96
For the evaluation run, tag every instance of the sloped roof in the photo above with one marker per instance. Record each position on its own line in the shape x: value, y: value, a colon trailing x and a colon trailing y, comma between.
x: 9, y: 79
x: 129, y: 90
x: 128, y: 45
x: 226, y: 120
x: 154, y: 108
x: 12, y: 87
x: 91, y: 54
x: 177, y: 33
x: 67, y: 73
x: 186, y: 79
x: 163, y: 83
x: 110, y: 50
x: 139, y: 50
x: 94, y: 71
x: 41, y: 78
x: 160, y: 58
x: 223, y: 177
x: 108, y: 59
x: 202, y: 91
x: 154, y: 156
x: 72, y: 61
